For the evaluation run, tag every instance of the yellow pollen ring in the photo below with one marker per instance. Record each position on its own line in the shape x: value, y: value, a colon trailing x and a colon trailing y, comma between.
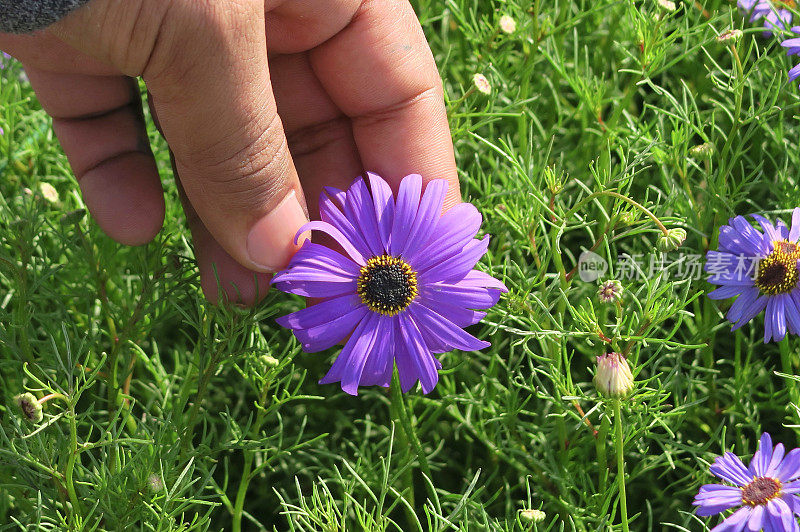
x: 387, y: 284
x: 777, y: 272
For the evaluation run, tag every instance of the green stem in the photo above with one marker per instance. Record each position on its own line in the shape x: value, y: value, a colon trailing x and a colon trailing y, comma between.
x: 623, y: 501
x: 238, y: 508
x: 636, y: 204
x: 73, y: 456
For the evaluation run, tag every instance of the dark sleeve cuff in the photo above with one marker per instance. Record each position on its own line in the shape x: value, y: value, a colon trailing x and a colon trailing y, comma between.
x: 23, y: 16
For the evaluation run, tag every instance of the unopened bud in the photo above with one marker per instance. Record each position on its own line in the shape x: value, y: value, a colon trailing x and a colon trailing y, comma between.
x: 672, y: 240
x: 482, y: 84
x: 609, y: 291
x: 702, y: 151
x: 532, y: 516
x: 666, y: 5
x: 613, y: 377
x: 508, y: 24
x: 48, y: 192
x: 30, y: 406
x: 155, y: 483
x: 730, y: 37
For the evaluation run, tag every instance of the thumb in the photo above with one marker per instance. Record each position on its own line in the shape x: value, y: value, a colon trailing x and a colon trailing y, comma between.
x: 208, y: 75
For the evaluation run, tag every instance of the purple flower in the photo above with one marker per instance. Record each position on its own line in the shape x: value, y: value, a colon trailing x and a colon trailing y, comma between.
x: 403, y: 291
x: 762, y: 270
x: 773, y: 15
x: 793, y: 48
x: 766, y: 490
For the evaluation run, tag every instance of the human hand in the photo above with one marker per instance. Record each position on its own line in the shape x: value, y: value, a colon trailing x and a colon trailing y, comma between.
x: 262, y: 105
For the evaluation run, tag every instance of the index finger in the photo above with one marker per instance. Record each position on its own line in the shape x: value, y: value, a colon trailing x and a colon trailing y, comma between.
x: 380, y: 72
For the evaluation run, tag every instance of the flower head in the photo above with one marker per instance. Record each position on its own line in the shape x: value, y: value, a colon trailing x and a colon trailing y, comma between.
x: 609, y: 291
x: 532, y: 516
x: 762, y: 270
x: 672, y: 240
x: 30, y: 406
x: 508, y: 24
x: 702, y: 151
x: 729, y: 37
x: 403, y: 291
x: 765, y: 492
x: 48, y: 192
x: 482, y: 84
x: 773, y: 13
x: 613, y: 376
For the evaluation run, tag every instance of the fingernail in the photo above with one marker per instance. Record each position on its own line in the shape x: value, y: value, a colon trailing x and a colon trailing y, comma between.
x: 270, y: 243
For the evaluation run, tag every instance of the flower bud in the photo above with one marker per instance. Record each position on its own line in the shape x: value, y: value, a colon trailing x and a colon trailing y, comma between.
x: 672, y: 240
x: 29, y: 404
x: 702, y: 151
x: 730, y: 37
x: 532, y: 516
x: 666, y: 5
x: 269, y: 362
x: 482, y: 84
x: 609, y: 291
x: 613, y: 377
x: 155, y: 483
x: 507, y: 24
x: 48, y: 192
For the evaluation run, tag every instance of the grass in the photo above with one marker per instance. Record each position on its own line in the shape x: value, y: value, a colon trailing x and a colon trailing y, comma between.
x: 177, y: 415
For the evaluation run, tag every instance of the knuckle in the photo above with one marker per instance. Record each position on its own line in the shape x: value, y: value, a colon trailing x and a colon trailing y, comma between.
x: 316, y: 137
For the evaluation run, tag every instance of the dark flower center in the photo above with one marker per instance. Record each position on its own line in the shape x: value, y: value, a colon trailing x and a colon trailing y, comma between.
x: 387, y: 284
x: 760, y: 491
x: 777, y: 272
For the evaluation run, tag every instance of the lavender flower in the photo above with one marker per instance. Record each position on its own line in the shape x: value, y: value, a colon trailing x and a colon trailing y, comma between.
x: 766, y: 491
x: 405, y: 289
x: 793, y: 48
x: 773, y: 15
x: 762, y: 270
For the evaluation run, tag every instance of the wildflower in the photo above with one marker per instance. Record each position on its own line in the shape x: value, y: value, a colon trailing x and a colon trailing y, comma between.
x: 609, y: 291
x: 613, y: 376
x: 793, y: 46
x: 765, y: 491
x: 30, y: 406
x: 403, y: 292
x: 774, y: 16
x: 702, y: 151
x: 666, y: 5
x: 532, y: 516
x: 508, y: 24
x: 155, y: 483
x: 762, y: 270
x: 729, y: 37
x: 482, y: 84
x: 48, y: 192
x: 672, y: 240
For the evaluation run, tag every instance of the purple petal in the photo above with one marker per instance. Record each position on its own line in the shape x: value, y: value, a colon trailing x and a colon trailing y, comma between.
x: 742, y: 304
x: 792, y: 313
x: 716, y: 498
x: 724, y: 292
x: 405, y: 212
x: 767, y: 226
x: 762, y: 457
x: 794, y: 72
x: 383, y: 201
x: 468, y: 292
x: 327, y: 335
x: 777, y: 319
x: 349, y: 365
x: 320, y: 289
x: 794, y: 232
x: 729, y: 467
x: 320, y: 313
x: 315, y: 256
x: 457, y: 267
x: 756, y: 521
x: 332, y: 214
x: 736, y: 522
x: 337, y: 235
x: 430, y: 208
x: 380, y: 363
x: 790, y: 467
x: 453, y: 232
x: 463, y: 317
x: 751, y: 311
x: 359, y: 209
x: 414, y: 359
x: 775, y: 461
x: 444, y: 330
x: 780, y: 515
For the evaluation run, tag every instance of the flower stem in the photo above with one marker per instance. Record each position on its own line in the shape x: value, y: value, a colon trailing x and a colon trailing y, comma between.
x: 73, y: 456
x: 623, y: 502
